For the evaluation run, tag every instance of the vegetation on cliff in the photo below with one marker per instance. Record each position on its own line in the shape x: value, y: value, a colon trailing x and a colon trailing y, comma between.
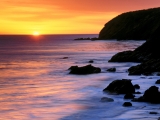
x: 149, y: 29
x: 135, y: 25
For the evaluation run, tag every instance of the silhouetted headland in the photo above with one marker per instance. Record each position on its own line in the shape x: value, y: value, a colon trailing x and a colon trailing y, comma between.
x: 147, y: 28
x: 135, y: 25
x: 138, y: 25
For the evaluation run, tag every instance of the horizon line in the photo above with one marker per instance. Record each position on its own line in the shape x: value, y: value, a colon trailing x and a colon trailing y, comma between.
x: 56, y: 34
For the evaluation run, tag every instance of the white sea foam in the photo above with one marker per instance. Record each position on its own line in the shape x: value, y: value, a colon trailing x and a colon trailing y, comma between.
x: 35, y: 84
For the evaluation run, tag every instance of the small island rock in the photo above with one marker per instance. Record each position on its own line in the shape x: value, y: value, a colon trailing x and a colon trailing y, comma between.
x: 88, y: 69
x: 120, y: 86
x: 106, y: 99
x: 158, y: 82
x: 111, y: 69
x: 91, y: 61
x: 127, y: 104
x: 153, y: 113
x: 65, y: 57
x: 151, y: 95
x: 136, y: 86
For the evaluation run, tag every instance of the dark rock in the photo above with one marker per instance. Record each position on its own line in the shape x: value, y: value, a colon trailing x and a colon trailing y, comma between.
x: 73, y: 67
x: 111, y: 69
x: 151, y: 95
x: 65, y: 57
x: 88, y: 69
x: 147, y: 67
x: 153, y: 113
x: 135, y: 70
x: 129, y: 26
x: 82, y: 38
x: 129, y: 96
x: 147, y: 54
x: 120, y: 86
x: 127, y: 104
x: 91, y: 61
x: 158, y: 82
x: 147, y: 73
x: 106, y: 99
x: 136, y: 86
x: 94, y: 38
x: 123, y: 57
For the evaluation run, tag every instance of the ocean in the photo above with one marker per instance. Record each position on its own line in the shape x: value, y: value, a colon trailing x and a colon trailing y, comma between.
x: 35, y: 83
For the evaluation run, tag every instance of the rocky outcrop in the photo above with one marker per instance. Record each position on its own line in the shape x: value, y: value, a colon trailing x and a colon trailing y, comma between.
x: 147, y: 54
x: 123, y: 86
x: 65, y: 58
x: 136, y: 86
x: 135, y: 25
x: 88, y: 69
x: 153, y: 113
x: 91, y: 61
x: 127, y: 104
x: 145, y: 68
x: 106, y: 99
x: 143, y: 53
x: 157, y: 82
x: 111, y: 69
x: 151, y: 95
x: 94, y: 38
x: 130, y: 56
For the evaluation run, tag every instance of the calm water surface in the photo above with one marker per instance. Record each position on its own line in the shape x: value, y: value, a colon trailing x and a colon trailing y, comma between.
x: 35, y: 84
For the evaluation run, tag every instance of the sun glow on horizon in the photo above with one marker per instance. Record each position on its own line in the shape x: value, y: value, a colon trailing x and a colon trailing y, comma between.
x: 36, y: 18
x: 36, y: 33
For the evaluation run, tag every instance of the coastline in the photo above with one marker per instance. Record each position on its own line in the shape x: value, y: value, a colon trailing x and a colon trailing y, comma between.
x: 59, y: 95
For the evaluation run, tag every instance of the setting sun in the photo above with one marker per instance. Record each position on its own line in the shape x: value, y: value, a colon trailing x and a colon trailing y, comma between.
x: 36, y: 33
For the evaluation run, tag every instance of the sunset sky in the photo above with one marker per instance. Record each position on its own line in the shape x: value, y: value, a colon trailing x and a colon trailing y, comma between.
x: 63, y: 16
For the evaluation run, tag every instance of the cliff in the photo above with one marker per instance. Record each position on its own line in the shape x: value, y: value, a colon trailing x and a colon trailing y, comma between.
x: 143, y: 24
x: 136, y: 25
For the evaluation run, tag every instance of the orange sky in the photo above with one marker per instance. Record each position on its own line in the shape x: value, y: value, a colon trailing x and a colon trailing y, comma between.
x: 63, y: 16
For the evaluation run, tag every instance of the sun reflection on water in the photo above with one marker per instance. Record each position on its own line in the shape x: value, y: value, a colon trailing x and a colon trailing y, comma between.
x: 35, y: 84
